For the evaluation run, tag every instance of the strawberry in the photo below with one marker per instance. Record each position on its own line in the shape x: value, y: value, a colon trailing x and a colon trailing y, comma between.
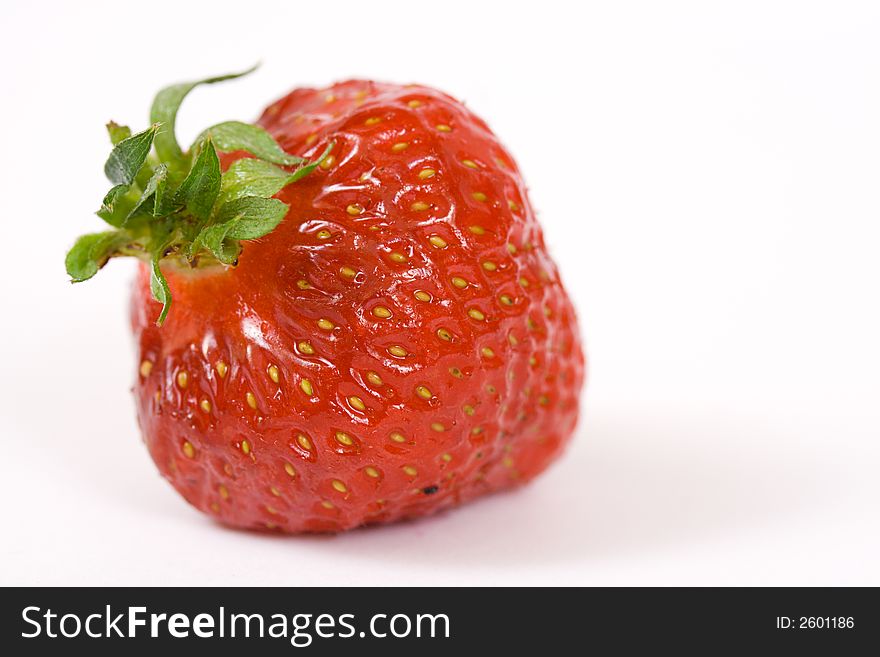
x: 368, y: 331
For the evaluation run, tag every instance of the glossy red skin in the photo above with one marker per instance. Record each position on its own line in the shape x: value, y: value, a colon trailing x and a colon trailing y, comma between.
x: 505, y: 416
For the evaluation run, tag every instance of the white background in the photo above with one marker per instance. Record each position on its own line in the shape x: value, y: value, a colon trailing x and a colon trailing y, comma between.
x: 707, y: 175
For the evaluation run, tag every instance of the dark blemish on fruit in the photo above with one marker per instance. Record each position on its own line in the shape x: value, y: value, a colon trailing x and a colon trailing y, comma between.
x: 430, y: 490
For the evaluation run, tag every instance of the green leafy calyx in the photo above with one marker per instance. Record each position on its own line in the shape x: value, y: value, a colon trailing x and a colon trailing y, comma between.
x: 171, y: 205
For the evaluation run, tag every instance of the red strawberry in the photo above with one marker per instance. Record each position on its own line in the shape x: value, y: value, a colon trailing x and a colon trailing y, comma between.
x: 399, y: 344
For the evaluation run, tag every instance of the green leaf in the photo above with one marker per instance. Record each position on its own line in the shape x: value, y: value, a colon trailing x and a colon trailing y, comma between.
x: 251, y: 217
x: 152, y: 200
x: 111, y: 210
x: 214, y: 239
x: 241, y: 219
x: 117, y: 132
x: 302, y: 172
x: 250, y: 177
x: 201, y: 186
x: 128, y: 156
x: 91, y: 252
x: 164, y: 110
x: 159, y: 286
x: 237, y: 136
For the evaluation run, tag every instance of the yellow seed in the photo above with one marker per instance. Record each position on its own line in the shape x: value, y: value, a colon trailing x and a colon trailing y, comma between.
x: 339, y: 486
x: 215, y: 507
x: 442, y: 127
x: 344, y: 439
x: 424, y: 174
x: 523, y: 281
x: 444, y: 334
x: 470, y: 164
x: 399, y: 147
x: 327, y: 505
x: 373, y: 120
x: 409, y: 470
x: 370, y: 471
x: 512, y: 205
x: 396, y: 256
x: 289, y: 469
x: 329, y: 98
x: 437, y: 241
x: 459, y: 282
x: 245, y: 447
x: 182, y: 378
x: 306, y: 386
x: 188, y: 450
x: 468, y: 409
x: 543, y: 400
x: 477, y: 230
x: 304, y: 442
x: 357, y: 403
x: 205, y: 405
x: 328, y: 162
x: 490, y: 266
x: 354, y: 209
x: 479, y: 196
x: 397, y: 437
x: 439, y: 428
x: 274, y: 512
x: 224, y: 492
x: 381, y: 312
x: 419, y: 206
x: 547, y: 312
x: 374, y: 378
x: 311, y: 139
x: 454, y: 371
x: 222, y: 368
x: 347, y: 272
x: 487, y: 352
x: 146, y: 368
x: 326, y: 324
x: 446, y: 457
x: 397, y: 351
x: 303, y: 285
x: 305, y: 347
x: 423, y: 392
x: 511, y: 338
x: 507, y: 462
x: 491, y: 390
x: 415, y: 103
x: 251, y: 400
x: 421, y: 295
x: 273, y: 373
x: 324, y: 234
x: 511, y: 249
x: 505, y: 300
x: 473, y: 313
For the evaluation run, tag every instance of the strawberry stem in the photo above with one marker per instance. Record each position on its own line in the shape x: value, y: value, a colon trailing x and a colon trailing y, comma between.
x: 167, y: 203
